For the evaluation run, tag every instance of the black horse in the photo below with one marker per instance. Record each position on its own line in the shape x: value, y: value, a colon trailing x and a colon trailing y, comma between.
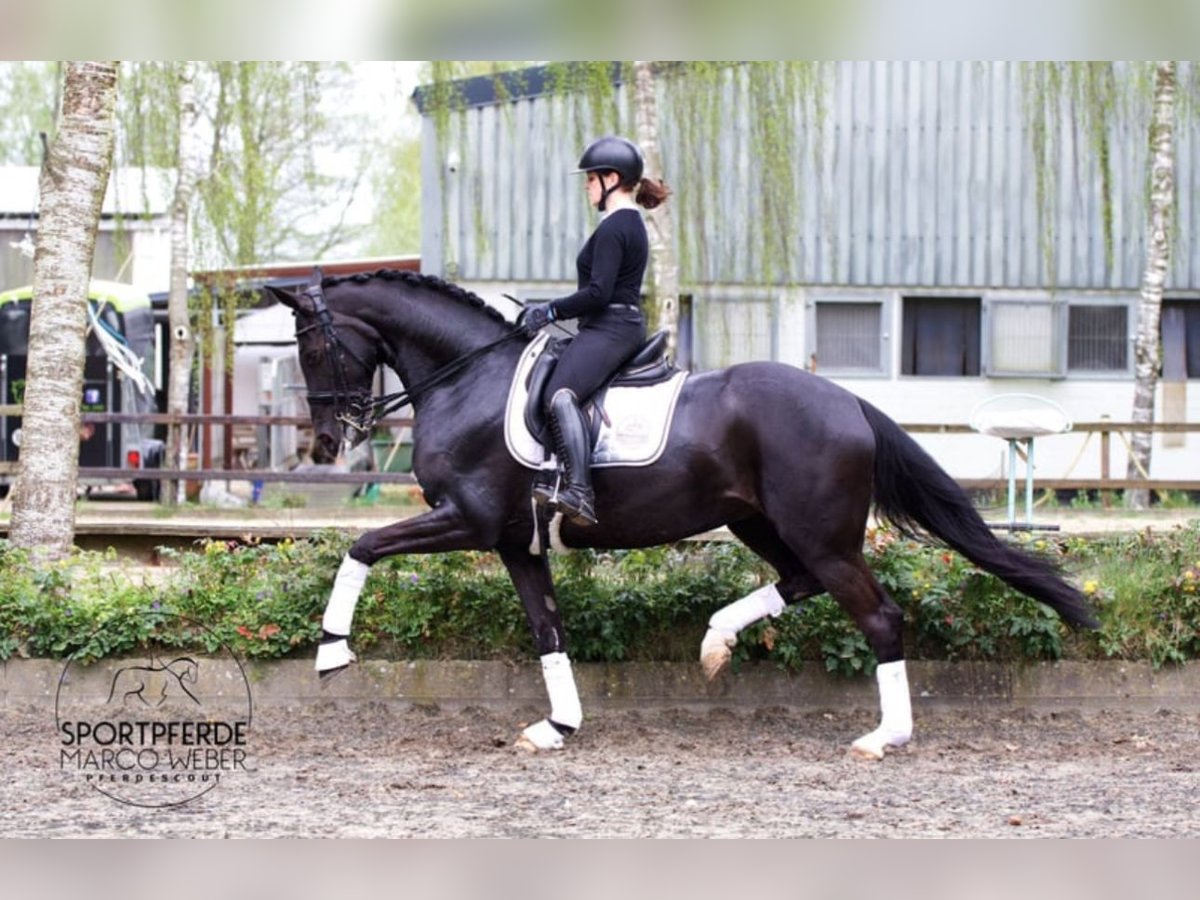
x: 790, y: 462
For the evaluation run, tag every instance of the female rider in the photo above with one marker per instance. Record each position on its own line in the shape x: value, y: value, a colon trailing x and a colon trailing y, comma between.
x: 608, y: 306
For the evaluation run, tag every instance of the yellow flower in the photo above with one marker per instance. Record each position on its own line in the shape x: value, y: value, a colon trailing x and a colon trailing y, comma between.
x: 1090, y: 586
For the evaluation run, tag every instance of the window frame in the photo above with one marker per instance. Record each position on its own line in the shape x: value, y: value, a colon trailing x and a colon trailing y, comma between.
x: 703, y: 357
x: 1130, y: 304
x: 1176, y: 298
x: 991, y: 301
x: 1061, y: 303
x: 885, y: 301
x: 938, y: 294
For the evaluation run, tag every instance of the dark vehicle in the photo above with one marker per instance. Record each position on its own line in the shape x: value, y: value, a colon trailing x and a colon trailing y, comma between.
x: 118, y: 376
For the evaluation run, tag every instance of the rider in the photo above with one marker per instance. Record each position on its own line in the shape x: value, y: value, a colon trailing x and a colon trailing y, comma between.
x: 607, y: 304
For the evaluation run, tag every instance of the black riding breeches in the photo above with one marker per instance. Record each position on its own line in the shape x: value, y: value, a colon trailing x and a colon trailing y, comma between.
x: 603, y: 343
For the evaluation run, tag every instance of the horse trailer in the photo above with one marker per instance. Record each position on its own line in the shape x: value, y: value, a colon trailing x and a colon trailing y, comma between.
x: 118, y: 377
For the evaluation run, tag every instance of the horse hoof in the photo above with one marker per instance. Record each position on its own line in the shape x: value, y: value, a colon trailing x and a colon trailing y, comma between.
x: 715, y: 663
x: 715, y: 652
x: 875, y: 745
x: 539, y: 736
x: 325, y: 676
x: 524, y: 744
x: 862, y: 750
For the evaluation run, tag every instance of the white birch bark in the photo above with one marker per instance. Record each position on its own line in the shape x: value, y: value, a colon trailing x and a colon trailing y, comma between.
x: 664, y: 265
x: 1147, y: 348
x: 73, y: 180
x: 189, y: 161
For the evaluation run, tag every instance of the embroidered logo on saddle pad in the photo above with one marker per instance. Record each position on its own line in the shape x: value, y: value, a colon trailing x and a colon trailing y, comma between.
x: 635, y: 434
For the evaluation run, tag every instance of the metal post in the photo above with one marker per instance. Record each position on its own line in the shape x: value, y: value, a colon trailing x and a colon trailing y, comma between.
x: 1106, y: 497
x: 1029, y: 481
x: 1012, y: 481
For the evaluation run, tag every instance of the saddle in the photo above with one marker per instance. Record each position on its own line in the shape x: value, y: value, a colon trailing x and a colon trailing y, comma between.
x: 647, y: 367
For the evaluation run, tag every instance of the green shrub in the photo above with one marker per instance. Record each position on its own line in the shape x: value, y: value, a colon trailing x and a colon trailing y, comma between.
x: 266, y: 600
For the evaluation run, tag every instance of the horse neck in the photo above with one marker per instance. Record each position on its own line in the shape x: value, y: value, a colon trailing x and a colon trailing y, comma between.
x: 423, y: 330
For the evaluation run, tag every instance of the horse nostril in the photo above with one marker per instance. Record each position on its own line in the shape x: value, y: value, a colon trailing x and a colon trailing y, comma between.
x: 326, y: 448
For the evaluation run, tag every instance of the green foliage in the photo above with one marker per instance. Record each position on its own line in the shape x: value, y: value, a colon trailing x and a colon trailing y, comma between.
x: 266, y: 600
x: 1147, y: 590
x: 397, y: 189
x: 1087, y: 104
x: 29, y: 96
x: 783, y: 105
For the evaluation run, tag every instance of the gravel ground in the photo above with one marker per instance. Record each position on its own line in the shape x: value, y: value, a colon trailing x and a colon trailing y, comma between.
x: 379, y: 771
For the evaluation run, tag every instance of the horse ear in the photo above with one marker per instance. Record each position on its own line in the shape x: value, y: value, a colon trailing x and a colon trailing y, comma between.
x: 297, y: 301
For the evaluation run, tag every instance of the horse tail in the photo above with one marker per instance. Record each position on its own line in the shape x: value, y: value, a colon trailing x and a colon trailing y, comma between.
x: 916, y: 495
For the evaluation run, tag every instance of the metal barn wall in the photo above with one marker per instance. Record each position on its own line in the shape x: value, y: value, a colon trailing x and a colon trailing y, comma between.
x: 927, y: 181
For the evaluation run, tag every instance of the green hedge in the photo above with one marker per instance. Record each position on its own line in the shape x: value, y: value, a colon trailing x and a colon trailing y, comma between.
x: 265, y: 600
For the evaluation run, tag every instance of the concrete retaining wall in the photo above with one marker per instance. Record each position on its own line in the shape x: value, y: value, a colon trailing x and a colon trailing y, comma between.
x: 1074, y: 685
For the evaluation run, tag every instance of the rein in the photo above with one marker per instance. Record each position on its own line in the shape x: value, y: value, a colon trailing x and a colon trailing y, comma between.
x: 358, y: 409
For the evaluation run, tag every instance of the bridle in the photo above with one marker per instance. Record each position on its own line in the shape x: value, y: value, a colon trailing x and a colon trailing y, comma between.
x: 357, y: 409
x: 354, y: 408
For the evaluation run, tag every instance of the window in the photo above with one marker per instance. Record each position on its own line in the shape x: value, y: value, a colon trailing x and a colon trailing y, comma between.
x: 1098, y: 338
x: 1053, y: 335
x: 734, y: 329
x: 849, y: 337
x: 1023, y: 337
x: 1181, y: 339
x: 941, y: 336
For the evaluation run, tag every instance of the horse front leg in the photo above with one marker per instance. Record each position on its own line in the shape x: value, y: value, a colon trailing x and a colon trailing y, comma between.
x: 531, y: 577
x: 438, y: 531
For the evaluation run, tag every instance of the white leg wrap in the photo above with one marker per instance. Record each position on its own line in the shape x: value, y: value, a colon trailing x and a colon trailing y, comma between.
x: 339, y: 611
x: 754, y: 606
x: 726, y: 622
x: 565, y: 708
x: 542, y: 736
x: 334, y: 655
x: 895, y: 726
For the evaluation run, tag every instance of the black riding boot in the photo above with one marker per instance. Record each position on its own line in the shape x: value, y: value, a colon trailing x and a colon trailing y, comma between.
x: 572, y: 444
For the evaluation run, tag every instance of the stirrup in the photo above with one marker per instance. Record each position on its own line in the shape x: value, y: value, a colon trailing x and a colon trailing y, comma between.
x: 545, y: 493
x: 577, y: 506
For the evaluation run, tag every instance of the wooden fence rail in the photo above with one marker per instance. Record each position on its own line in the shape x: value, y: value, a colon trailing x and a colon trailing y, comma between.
x: 1104, y: 428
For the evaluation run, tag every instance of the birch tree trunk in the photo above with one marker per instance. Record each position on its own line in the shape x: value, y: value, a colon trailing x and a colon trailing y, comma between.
x: 1148, y: 344
x: 188, y: 163
x: 73, y: 180
x: 664, y: 265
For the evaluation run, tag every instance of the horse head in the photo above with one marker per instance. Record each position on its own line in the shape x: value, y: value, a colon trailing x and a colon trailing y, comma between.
x: 338, y: 357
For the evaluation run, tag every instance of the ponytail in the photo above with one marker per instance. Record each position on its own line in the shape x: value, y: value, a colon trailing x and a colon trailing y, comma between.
x: 652, y: 192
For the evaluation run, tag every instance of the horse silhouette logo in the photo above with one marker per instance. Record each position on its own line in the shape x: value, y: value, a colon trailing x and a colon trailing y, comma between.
x: 151, y: 685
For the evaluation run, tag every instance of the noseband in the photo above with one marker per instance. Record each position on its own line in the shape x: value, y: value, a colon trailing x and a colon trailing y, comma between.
x: 357, y: 409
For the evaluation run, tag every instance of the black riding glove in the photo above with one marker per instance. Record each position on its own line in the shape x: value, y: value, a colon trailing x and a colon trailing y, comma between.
x: 535, y: 316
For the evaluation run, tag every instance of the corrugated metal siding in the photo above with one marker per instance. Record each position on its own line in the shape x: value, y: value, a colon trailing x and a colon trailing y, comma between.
x: 927, y: 180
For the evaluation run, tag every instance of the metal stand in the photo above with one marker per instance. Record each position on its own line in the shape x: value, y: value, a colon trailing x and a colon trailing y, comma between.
x: 1012, y: 524
x: 1018, y: 418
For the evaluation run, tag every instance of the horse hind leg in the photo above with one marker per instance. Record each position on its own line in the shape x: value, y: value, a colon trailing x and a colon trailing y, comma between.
x: 857, y: 591
x: 795, y: 583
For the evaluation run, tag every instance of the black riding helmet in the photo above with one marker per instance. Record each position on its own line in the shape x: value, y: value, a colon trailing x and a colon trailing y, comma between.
x: 613, y: 154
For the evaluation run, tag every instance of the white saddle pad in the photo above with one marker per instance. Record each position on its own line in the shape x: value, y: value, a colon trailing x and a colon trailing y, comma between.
x: 640, y: 419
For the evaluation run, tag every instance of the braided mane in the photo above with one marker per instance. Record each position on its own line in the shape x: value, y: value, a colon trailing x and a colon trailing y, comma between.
x: 422, y: 280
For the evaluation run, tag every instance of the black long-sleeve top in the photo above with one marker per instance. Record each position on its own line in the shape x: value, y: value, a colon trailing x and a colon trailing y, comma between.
x: 610, y: 265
